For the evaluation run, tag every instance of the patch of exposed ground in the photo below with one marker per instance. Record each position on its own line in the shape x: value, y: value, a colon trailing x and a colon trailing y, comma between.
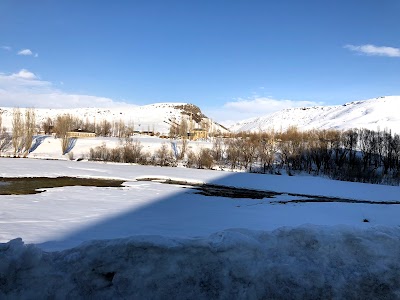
x: 34, y: 185
x: 234, y: 192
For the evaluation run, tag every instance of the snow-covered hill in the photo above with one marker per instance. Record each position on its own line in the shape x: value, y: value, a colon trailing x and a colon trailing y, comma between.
x: 154, y: 117
x: 378, y: 113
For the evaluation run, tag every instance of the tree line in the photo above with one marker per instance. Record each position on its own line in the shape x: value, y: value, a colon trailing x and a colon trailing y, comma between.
x: 353, y: 155
x: 25, y: 127
x: 131, y: 151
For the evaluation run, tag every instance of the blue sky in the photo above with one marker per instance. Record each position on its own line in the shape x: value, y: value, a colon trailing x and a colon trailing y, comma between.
x: 235, y: 59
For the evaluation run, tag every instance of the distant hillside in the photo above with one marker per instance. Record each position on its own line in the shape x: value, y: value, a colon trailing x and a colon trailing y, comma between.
x: 156, y: 117
x: 373, y: 114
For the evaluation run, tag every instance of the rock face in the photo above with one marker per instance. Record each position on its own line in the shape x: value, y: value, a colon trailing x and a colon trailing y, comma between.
x: 378, y: 113
x: 154, y: 117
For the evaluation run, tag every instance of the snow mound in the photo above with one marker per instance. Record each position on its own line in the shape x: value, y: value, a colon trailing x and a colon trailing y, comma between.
x: 307, y: 262
x: 378, y: 113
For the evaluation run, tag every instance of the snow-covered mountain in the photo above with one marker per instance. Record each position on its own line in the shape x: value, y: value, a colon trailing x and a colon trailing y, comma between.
x: 378, y: 113
x: 156, y: 117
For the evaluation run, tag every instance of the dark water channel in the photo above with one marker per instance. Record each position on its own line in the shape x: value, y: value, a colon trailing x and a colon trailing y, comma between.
x: 34, y: 185
x: 234, y: 192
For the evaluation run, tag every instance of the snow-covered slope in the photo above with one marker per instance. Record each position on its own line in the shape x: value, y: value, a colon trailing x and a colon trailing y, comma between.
x: 378, y: 113
x: 157, y: 117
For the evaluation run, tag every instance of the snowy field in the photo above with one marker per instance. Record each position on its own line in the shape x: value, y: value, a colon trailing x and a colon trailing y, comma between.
x: 156, y: 239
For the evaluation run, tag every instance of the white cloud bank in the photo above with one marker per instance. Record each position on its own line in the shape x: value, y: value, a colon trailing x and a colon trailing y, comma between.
x: 373, y: 50
x: 242, y: 109
x: 26, y: 89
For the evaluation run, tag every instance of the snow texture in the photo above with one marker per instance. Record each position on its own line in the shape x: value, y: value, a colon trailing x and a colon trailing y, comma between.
x: 62, y: 218
x: 149, y: 240
x: 374, y: 114
x: 307, y: 262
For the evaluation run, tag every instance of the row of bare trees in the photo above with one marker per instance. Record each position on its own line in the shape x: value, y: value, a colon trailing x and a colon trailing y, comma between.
x: 25, y: 126
x: 102, y: 128
x: 354, y: 155
x: 131, y: 151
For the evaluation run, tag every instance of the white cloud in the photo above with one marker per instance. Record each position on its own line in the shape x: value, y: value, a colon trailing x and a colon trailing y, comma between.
x: 26, y: 52
x: 7, y: 48
x: 25, y: 89
x: 375, y: 50
x: 24, y: 74
x: 242, y: 109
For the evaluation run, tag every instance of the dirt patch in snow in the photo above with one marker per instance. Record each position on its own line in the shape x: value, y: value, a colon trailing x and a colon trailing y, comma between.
x: 34, y: 185
x: 235, y: 192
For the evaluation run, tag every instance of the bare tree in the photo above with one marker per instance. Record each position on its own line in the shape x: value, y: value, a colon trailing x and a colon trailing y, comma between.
x: 104, y: 128
x: 5, y: 138
x: 47, y: 126
x: 164, y: 155
x: 88, y: 125
x: 290, y: 148
x: 218, y: 150
x: 63, y: 124
x: 119, y: 129
x: 350, y: 139
x: 266, y: 151
x: 203, y: 159
x: 17, y: 131
x: 101, y: 153
x: 174, y: 128
x: 183, y: 128
x: 131, y: 151
x: 248, y: 150
x: 233, y: 152
x: 30, y: 127
x: 184, y: 146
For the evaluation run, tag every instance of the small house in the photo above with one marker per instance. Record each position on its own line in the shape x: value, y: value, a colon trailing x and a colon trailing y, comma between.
x: 198, y: 134
x: 79, y: 133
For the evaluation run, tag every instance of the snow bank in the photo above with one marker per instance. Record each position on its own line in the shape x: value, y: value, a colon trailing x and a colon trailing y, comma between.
x: 307, y: 262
